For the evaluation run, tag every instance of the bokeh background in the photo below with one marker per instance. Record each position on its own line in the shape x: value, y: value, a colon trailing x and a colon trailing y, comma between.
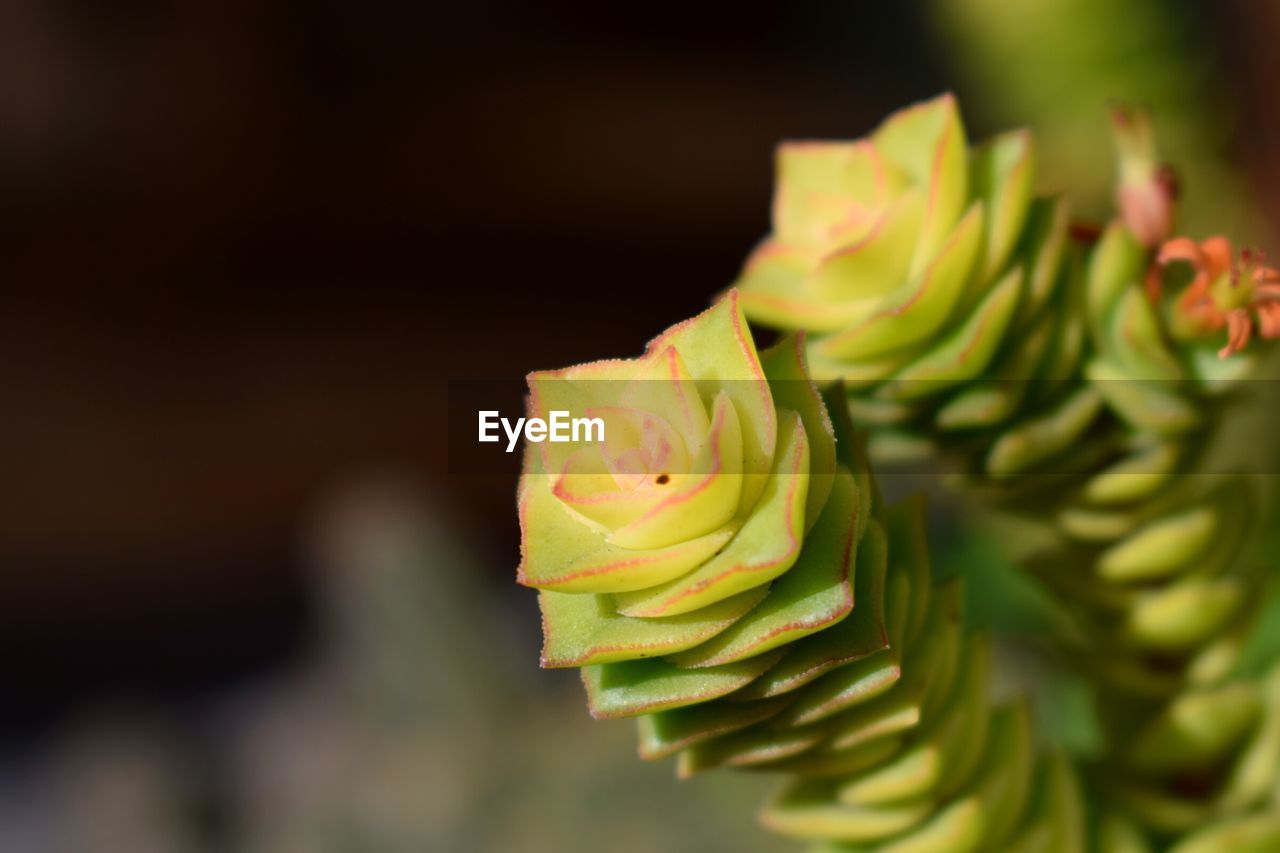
x: 246, y: 602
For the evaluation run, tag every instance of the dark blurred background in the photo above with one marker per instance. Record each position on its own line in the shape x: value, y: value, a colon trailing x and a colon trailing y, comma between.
x: 246, y: 245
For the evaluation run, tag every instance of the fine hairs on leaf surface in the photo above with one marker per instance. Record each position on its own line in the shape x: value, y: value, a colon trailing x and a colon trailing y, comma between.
x: 730, y: 573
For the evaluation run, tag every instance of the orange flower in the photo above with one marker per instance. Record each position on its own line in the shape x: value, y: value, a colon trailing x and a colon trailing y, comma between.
x: 1225, y: 291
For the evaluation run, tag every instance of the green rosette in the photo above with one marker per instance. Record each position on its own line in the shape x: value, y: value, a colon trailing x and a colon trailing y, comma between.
x: 723, y: 568
x: 934, y: 282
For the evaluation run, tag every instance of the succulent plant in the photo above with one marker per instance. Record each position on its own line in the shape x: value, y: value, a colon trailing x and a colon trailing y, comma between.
x: 703, y: 564
x: 724, y: 568
x: 970, y: 321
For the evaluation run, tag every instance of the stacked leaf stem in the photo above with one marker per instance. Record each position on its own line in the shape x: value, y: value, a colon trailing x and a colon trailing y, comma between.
x: 1080, y: 379
x: 723, y: 568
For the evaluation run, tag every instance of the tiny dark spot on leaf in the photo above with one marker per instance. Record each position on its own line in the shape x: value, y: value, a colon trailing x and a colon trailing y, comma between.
x: 663, y: 479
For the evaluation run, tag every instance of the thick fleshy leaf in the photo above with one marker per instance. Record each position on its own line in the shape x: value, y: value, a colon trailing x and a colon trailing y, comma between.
x: 814, y: 594
x: 966, y: 742
x: 613, y: 483
x: 665, y: 386
x: 1154, y: 806
x: 877, y: 264
x: 575, y: 390
x: 855, y: 723
x: 1010, y: 766
x: 966, y: 352
x: 1149, y: 405
x: 720, y: 354
x: 766, y: 546
x: 748, y: 748
x: 862, y: 682
x: 1093, y: 524
x: 1041, y: 438
x: 826, y: 187
x: 643, y: 686
x: 845, y: 687
x: 968, y: 823
x: 807, y: 808
x: 1162, y: 547
x: 870, y: 677
x: 956, y: 827
x: 908, y: 542
x: 1116, y: 264
x: 851, y: 450
x: 946, y: 747
x: 993, y: 400
x: 776, y: 291
x: 826, y: 762
x: 902, y: 447
x: 873, y: 411
x: 1134, y: 477
x: 1215, y: 663
x: 1135, y: 340
x: 561, y: 551
x: 927, y: 141
x: 1259, y: 833
x: 898, y: 603
x: 1257, y: 771
x: 665, y: 733
x: 1042, y: 251
x: 1185, y: 615
x: 699, y: 502
x: 862, y: 634
x: 1068, y: 350
x: 1196, y: 729
x: 582, y: 629
x: 893, y: 713
x: 1055, y: 821
x: 918, y: 309
x: 854, y: 374
x: 785, y: 366
x: 1001, y: 175
x: 1119, y: 833
x: 1218, y: 375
